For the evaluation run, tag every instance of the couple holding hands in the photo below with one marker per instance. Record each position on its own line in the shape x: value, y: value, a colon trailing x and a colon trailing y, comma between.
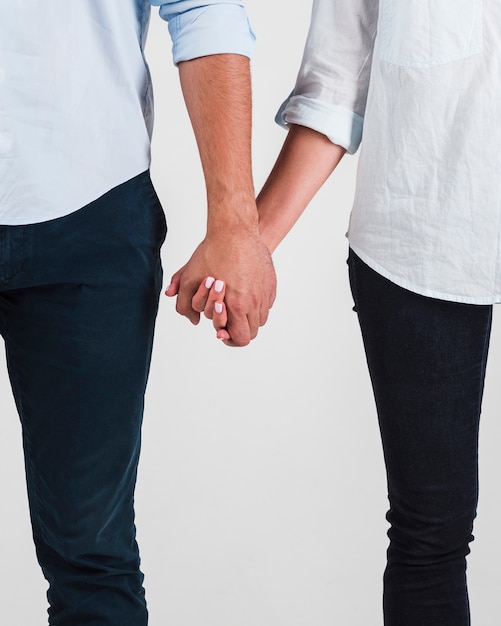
x: 81, y: 231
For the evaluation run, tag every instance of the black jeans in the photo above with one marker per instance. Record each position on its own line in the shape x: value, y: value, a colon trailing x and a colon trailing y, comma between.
x: 427, y: 361
x: 78, y: 301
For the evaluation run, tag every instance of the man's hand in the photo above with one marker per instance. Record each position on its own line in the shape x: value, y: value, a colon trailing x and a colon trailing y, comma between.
x: 217, y: 92
x: 241, y: 261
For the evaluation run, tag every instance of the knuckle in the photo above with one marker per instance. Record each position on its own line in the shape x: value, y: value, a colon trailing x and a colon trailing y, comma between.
x: 238, y: 308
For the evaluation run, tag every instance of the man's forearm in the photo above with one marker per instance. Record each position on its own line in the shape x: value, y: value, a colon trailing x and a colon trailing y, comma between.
x: 217, y: 91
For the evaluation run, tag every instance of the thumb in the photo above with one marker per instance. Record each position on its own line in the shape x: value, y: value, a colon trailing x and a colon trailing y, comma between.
x: 173, y: 287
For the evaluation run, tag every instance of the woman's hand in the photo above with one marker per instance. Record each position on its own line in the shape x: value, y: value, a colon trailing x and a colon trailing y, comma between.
x: 209, y: 300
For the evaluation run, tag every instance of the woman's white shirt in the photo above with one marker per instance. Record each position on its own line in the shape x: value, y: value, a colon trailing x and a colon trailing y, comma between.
x: 419, y: 80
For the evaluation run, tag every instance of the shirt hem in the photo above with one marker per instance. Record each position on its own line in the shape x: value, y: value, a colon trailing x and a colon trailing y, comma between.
x: 423, y: 291
x: 50, y: 216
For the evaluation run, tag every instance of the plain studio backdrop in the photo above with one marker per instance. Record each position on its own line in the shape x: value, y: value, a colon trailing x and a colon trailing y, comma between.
x: 261, y: 494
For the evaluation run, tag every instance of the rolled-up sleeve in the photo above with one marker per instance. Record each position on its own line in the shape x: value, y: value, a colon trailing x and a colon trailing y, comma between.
x: 200, y: 28
x: 331, y: 89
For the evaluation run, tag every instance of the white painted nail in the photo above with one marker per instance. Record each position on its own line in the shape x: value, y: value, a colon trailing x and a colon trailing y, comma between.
x: 218, y: 287
x: 209, y: 282
x: 218, y: 307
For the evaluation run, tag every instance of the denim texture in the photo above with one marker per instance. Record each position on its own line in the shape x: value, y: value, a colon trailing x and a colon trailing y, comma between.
x: 78, y: 301
x: 427, y: 360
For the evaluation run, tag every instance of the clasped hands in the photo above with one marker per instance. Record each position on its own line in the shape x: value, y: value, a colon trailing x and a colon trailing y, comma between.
x: 231, y: 280
x: 209, y: 300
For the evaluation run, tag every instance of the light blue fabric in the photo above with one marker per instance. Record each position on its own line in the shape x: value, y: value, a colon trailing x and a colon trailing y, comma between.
x: 202, y: 28
x: 76, y: 108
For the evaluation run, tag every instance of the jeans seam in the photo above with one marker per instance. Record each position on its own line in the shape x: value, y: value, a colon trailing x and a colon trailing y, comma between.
x: 485, y: 350
x: 148, y: 196
x: 353, y: 277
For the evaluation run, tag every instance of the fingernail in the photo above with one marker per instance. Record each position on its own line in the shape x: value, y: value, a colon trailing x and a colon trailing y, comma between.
x: 218, y: 287
x: 209, y: 282
x: 218, y: 307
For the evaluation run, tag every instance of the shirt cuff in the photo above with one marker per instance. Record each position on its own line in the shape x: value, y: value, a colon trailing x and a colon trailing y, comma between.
x: 341, y: 126
x: 212, y: 29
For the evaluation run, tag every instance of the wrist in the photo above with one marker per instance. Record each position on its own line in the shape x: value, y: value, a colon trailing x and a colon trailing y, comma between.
x: 235, y: 212
x: 270, y: 237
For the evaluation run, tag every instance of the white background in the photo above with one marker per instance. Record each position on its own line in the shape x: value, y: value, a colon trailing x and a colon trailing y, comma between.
x: 261, y: 495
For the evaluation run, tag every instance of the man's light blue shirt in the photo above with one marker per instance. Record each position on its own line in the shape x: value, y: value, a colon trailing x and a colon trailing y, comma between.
x: 76, y: 107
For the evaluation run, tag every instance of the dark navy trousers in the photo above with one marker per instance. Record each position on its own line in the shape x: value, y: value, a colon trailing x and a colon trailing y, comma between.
x: 427, y: 362
x: 78, y: 301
